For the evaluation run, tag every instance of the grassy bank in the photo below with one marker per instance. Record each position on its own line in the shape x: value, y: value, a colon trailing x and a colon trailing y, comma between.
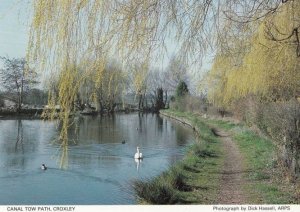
x: 265, y: 182
x: 195, y: 179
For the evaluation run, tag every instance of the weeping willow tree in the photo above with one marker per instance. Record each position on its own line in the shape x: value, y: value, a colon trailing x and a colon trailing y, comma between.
x: 85, y: 33
x: 66, y: 34
x: 110, y: 89
x: 269, y: 65
x: 258, y: 75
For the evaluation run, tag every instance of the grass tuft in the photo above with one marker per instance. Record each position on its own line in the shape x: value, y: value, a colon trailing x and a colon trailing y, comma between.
x: 155, y: 191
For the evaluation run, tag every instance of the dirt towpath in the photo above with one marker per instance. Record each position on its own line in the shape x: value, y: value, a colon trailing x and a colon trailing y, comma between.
x: 232, y: 180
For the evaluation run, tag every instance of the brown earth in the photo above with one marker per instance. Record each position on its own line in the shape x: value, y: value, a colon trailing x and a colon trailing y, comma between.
x: 232, y: 180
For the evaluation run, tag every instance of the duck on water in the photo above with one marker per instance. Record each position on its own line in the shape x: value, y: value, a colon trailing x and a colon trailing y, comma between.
x: 43, y: 167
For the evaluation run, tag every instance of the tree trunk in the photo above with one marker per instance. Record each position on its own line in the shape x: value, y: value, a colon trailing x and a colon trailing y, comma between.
x: 140, y: 101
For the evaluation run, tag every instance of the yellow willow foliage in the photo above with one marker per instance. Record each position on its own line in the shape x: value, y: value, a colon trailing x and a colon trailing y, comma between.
x: 217, y: 79
x: 78, y: 30
x: 68, y: 85
x: 139, y: 77
x: 84, y: 33
x: 113, y: 82
x: 270, y: 69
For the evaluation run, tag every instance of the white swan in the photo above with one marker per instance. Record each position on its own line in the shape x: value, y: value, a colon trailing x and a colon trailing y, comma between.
x: 138, y: 154
x: 43, y: 167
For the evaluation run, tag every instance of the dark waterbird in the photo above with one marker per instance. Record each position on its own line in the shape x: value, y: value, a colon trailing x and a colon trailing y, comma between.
x: 43, y: 167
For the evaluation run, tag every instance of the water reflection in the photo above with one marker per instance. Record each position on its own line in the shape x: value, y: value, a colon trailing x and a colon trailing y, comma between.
x: 19, y: 141
x: 114, y: 137
x: 94, y: 167
x: 159, y: 124
x: 64, y: 159
x: 138, y: 162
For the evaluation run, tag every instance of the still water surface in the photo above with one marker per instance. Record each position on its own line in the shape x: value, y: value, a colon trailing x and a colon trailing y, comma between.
x: 97, y: 167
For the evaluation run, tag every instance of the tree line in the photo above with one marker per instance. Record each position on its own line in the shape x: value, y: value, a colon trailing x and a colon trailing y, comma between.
x: 19, y: 82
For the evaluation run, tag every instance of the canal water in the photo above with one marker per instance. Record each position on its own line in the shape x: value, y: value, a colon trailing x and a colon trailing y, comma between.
x: 97, y: 167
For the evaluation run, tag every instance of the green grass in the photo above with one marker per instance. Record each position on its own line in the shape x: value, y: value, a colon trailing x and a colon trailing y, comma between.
x: 226, y: 125
x: 259, y: 156
x: 262, y: 176
x: 257, y: 151
x: 195, y: 179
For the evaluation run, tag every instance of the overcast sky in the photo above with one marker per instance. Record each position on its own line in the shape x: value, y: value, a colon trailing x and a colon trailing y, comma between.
x: 14, y: 27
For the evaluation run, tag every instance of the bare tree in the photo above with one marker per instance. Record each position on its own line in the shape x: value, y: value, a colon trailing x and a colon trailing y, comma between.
x: 175, y: 72
x: 17, y: 78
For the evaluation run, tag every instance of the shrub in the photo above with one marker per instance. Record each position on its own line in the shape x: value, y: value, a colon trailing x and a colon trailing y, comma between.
x: 280, y: 121
x: 190, y: 103
x: 181, y: 89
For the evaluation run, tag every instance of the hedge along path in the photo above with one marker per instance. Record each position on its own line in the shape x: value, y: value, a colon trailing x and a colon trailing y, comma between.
x: 232, y: 180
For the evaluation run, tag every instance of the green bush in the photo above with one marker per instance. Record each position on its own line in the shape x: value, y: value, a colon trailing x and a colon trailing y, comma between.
x: 182, y: 89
